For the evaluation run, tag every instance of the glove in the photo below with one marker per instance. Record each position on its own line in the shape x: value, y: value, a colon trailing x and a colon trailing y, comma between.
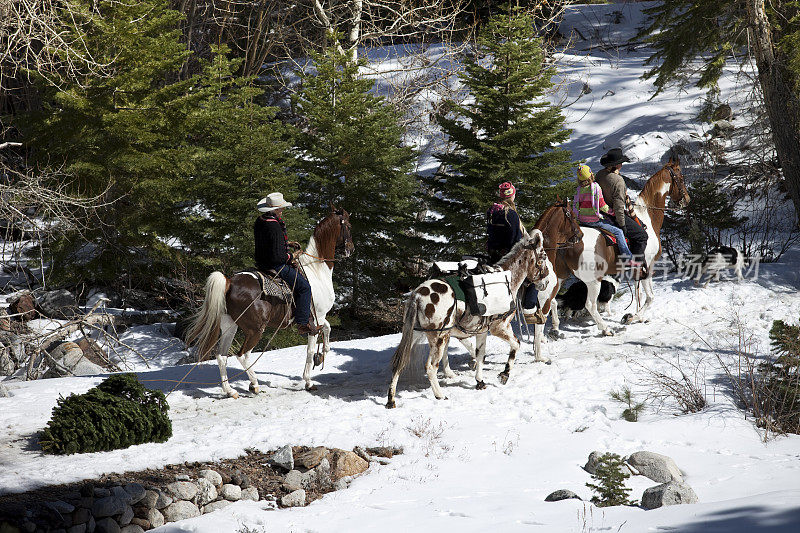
x: 295, y: 245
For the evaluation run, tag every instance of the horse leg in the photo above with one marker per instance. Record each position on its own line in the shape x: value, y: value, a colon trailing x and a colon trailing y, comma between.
x: 538, y: 332
x: 438, y: 344
x: 326, y: 335
x: 503, y: 331
x: 222, y: 362
x: 554, y: 332
x: 448, y: 372
x: 480, y: 356
x: 311, y: 350
x: 467, y: 344
x: 228, y: 328
x: 593, y: 291
x: 647, y: 285
x: 250, y: 341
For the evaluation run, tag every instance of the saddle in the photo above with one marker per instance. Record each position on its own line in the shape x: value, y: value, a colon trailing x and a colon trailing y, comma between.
x: 272, y: 287
x: 611, y: 240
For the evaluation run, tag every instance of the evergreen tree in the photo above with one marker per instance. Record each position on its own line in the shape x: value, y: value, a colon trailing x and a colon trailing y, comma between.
x: 610, y: 476
x: 352, y: 155
x: 240, y: 153
x: 509, y: 132
x: 118, y: 135
x: 684, y: 33
x: 782, y: 378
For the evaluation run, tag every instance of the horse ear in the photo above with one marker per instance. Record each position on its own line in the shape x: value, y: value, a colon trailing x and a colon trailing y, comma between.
x: 333, y: 209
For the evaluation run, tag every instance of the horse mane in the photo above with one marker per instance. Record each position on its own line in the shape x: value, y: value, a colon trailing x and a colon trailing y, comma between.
x: 325, y: 235
x: 646, y: 198
x: 544, y: 218
x: 517, y: 247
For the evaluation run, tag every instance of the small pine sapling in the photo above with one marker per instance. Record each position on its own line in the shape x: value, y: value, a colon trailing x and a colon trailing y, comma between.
x: 634, y: 409
x: 610, y: 476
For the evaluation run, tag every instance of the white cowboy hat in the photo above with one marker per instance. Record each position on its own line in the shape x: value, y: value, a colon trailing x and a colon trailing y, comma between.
x: 272, y: 202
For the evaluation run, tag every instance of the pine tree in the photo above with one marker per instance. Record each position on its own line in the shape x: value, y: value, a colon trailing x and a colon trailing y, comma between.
x: 118, y: 135
x: 240, y: 153
x: 509, y: 132
x: 352, y: 155
x: 610, y: 476
x: 782, y: 377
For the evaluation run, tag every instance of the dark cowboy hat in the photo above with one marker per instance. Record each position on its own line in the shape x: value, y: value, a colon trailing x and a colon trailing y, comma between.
x: 613, y: 158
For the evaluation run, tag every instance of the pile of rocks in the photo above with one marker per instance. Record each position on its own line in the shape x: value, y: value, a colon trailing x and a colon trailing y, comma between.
x: 672, y: 490
x: 294, y: 476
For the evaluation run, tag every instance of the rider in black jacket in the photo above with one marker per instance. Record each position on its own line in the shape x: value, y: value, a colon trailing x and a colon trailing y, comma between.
x: 272, y: 253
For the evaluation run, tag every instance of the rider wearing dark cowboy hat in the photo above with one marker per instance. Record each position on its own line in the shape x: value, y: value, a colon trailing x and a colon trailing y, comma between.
x: 272, y: 253
x: 615, y: 193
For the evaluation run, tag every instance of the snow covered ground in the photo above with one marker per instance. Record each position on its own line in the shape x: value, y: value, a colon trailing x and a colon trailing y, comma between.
x: 485, y: 460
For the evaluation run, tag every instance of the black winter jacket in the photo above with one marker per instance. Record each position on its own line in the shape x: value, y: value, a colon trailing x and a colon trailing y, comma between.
x: 271, y: 242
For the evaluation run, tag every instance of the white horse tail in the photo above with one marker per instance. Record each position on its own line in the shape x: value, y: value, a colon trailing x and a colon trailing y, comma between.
x: 403, y: 353
x: 204, y: 329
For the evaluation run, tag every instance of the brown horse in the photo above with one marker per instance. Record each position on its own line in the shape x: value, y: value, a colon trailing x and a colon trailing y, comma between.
x: 433, y: 311
x: 238, y: 302
x: 592, y: 258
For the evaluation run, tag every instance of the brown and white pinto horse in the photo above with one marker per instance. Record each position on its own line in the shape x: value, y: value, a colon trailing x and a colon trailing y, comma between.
x: 592, y: 258
x: 433, y: 311
x: 237, y: 302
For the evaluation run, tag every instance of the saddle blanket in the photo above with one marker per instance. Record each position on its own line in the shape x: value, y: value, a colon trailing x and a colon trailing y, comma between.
x: 271, y: 285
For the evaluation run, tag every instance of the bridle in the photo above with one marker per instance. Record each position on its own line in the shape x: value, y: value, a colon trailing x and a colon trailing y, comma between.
x: 574, y: 239
x: 341, y: 241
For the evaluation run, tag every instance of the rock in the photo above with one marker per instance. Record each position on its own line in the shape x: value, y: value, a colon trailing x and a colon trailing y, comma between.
x: 216, y: 506
x: 136, y: 491
x: 722, y: 112
x: 155, y: 518
x: 561, y: 494
x: 107, y: 525
x: 591, y: 463
x: 655, y: 466
x: 672, y: 493
x: 23, y: 305
x: 294, y: 499
x: 126, y: 516
x: 250, y: 493
x: 142, y: 523
x: 4, y: 391
x: 345, y: 463
x: 91, y: 525
x: 232, y: 493
x: 122, y: 494
x: 62, y: 508
x: 180, y: 510
x: 312, y: 457
x: 108, y: 506
x: 341, y: 484
x: 293, y: 480
x: 92, y: 351
x: 80, y: 516
x: 5, y: 321
x: 240, y: 478
x: 78, y: 528
x: 211, y: 475
x: 132, y: 528
x: 206, y: 491
x: 182, y: 477
x: 7, y: 366
x: 100, y: 492
x: 182, y: 490
x: 284, y: 458
x: 722, y: 128
x: 59, y: 304
x: 163, y: 500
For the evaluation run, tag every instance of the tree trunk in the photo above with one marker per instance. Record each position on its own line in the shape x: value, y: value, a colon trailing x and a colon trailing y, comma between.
x: 783, y: 106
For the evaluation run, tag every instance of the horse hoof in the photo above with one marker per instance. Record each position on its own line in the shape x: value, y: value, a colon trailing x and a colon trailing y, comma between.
x: 235, y: 395
x: 626, y: 319
x: 555, y: 334
x: 503, y: 378
x: 481, y: 385
x: 255, y: 389
x: 472, y: 364
x: 608, y: 333
x: 311, y: 388
x: 390, y: 404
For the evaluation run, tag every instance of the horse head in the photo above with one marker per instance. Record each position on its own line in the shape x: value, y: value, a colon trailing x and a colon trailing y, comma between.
x: 569, y: 229
x: 677, y: 187
x: 344, y: 241
x: 537, y: 266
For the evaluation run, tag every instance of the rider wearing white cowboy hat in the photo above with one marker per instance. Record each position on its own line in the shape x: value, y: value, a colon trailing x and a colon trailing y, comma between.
x: 272, y: 253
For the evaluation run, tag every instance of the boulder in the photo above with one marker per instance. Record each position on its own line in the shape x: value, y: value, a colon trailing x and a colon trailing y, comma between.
x: 591, y: 463
x: 312, y: 457
x: 206, y: 491
x: 722, y: 112
x: 284, y: 458
x: 561, y: 494
x: 155, y: 518
x: 240, y: 478
x: 4, y: 391
x: 250, y: 493
x: 77, y: 528
x: 107, y: 525
x: 294, y: 499
x: 132, y: 528
x: 23, y: 305
x: 122, y: 494
x: 293, y: 480
x: 80, y: 516
x: 62, y: 508
x: 211, y: 475
x: 126, y: 516
x: 183, y: 477
x: 142, y: 523
x: 180, y: 510
x: 722, y: 128
x: 672, y: 493
x: 655, y: 466
x: 93, y: 351
x: 232, y: 493
x: 100, y: 492
x: 108, y: 506
x: 136, y: 491
x: 216, y: 506
x: 7, y: 364
x: 59, y: 304
x: 182, y: 490
x: 345, y: 463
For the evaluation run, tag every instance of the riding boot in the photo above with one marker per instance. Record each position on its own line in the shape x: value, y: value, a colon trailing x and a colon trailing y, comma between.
x: 308, y: 329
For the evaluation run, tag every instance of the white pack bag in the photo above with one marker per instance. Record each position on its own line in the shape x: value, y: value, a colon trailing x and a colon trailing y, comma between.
x: 489, y: 294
